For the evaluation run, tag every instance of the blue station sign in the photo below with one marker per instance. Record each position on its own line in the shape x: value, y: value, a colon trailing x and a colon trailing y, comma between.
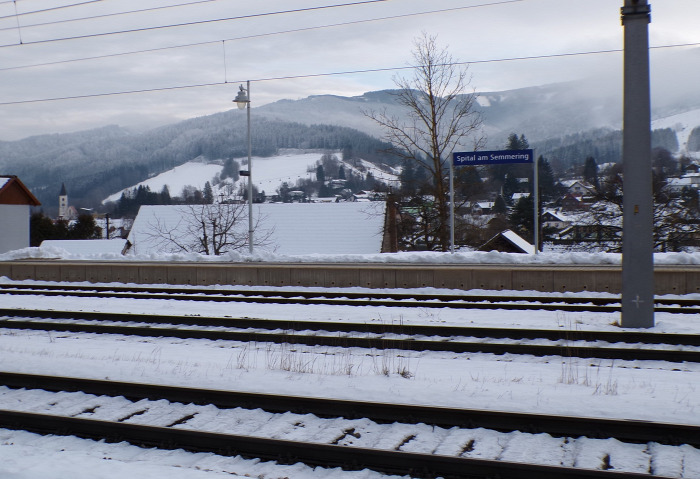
x: 494, y: 157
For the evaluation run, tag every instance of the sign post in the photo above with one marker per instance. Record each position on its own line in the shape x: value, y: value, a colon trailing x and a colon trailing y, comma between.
x: 494, y: 157
x: 498, y: 157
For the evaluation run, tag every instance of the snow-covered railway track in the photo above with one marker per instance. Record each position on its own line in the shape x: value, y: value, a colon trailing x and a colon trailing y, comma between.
x: 406, y: 439
x: 568, y: 343
x: 365, y: 298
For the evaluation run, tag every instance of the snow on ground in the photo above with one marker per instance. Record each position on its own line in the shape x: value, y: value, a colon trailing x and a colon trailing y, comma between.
x: 418, y: 257
x: 679, y: 123
x: 647, y: 390
x: 268, y: 173
x: 194, y: 173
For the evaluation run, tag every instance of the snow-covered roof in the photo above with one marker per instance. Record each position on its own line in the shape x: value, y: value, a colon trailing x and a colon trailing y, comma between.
x: 518, y: 241
x: 561, y: 216
x: 517, y: 196
x: 293, y: 228
x: 85, y: 247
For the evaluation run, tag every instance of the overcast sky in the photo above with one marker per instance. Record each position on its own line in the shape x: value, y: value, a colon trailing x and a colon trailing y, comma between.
x: 350, y: 35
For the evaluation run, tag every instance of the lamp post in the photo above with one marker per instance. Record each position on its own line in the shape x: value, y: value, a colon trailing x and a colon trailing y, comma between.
x: 243, y: 101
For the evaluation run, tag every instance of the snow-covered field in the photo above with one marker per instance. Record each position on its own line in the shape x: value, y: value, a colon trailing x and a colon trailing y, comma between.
x: 646, y: 390
x: 268, y: 173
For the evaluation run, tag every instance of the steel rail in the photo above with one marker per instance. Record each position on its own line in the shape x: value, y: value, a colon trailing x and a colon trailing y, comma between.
x: 374, y: 328
x: 409, y: 344
x: 518, y: 302
x: 290, y: 452
x: 283, y: 293
x: 626, y: 430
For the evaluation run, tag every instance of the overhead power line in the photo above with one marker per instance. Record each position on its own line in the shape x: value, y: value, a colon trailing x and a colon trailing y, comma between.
x: 93, y: 17
x: 62, y: 7
x: 259, y: 35
x: 199, y: 22
x: 327, y: 74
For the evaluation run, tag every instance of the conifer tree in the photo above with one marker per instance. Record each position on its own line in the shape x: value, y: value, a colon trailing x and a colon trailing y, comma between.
x: 590, y: 172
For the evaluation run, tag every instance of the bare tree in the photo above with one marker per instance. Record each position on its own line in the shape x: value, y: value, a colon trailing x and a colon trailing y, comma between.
x: 441, y: 115
x: 211, y: 229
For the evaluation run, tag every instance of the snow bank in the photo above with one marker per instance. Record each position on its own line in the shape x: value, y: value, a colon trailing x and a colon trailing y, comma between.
x: 418, y: 257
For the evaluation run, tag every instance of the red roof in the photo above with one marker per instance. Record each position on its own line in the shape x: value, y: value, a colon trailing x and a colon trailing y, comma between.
x: 13, y: 192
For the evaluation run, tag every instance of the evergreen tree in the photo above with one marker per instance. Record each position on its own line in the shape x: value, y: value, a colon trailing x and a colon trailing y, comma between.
x: 517, y: 143
x: 165, y: 198
x: 499, y: 206
x: 521, y: 218
x: 85, y: 228
x: 499, y: 172
x: 590, y: 172
x: 468, y: 182
x: 283, y: 193
x: 370, y: 182
x: 208, y: 194
x: 545, y: 177
x: 320, y: 174
x: 513, y: 143
x: 341, y: 172
x: 510, y: 185
x: 40, y: 228
x: 664, y: 163
x: 347, y: 153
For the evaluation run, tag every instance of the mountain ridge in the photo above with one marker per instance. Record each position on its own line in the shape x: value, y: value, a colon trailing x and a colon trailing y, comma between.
x: 96, y: 163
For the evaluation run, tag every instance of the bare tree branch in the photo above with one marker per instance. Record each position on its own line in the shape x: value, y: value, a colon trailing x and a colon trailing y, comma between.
x: 441, y: 116
x: 211, y: 229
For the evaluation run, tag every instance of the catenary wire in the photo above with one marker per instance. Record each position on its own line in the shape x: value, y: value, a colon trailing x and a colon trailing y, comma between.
x: 104, y: 15
x: 43, y: 10
x: 259, y: 35
x: 325, y: 74
x: 189, y: 24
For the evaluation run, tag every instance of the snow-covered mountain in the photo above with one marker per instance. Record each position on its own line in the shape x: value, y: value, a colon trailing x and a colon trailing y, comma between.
x: 569, y: 121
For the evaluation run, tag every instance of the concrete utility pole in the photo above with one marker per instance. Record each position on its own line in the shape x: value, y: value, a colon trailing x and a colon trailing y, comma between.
x: 638, y: 202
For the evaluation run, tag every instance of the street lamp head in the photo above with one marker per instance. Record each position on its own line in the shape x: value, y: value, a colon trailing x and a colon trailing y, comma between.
x: 242, y: 98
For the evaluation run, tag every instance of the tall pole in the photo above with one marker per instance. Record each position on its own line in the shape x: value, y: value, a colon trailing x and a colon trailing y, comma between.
x: 638, y: 204
x: 250, y: 179
x: 452, y: 208
x: 536, y: 203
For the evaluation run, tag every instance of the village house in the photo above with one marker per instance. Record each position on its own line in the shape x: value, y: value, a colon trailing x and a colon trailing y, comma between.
x: 508, y: 242
x: 556, y: 220
x: 15, y: 209
x: 287, y: 228
x: 479, y: 208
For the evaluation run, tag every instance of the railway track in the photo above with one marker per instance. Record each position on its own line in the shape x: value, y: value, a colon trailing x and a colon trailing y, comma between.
x: 621, y: 345
x: 420, y: 441
x: 342, y: 298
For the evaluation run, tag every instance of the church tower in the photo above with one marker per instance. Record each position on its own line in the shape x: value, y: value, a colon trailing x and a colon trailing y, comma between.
x: 62, y: 202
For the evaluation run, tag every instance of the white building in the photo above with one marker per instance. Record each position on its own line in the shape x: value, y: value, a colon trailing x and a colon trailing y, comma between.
x: 289, y: 228
x: 15, y: 203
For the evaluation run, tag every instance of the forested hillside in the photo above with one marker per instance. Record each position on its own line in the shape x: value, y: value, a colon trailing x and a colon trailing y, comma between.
x: 97, y: 163
x: 565, y: 123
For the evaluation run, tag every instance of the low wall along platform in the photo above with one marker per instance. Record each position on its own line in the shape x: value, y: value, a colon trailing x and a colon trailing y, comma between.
x: 681, y: 279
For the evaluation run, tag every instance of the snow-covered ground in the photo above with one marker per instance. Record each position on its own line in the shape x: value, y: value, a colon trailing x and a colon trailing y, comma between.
x: 681, y: 123
x: 268, y: 173
x: 418, y: 257
x: 647, y: 390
